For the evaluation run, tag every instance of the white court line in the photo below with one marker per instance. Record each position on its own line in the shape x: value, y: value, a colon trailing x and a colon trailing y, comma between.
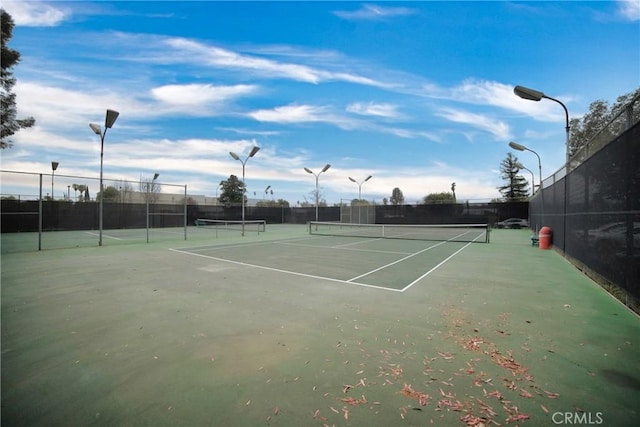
x: 434, y: 268
x: 242, y: 245
x: 104, y: 235
x: 357, y: 243
x: 285, y: 271
x: 344, y: 249
x: 397, y: 261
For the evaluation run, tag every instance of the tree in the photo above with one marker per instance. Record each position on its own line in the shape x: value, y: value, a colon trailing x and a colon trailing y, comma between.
x: 9, y: 57
x: 81, y: 188
x: 125, y: 191
x: 273, y: 203
x: 316, y: 194
x: 397, y: 198
x: 360, y: 202
x: 111, y: 194
x: 232, y: 191
x: 598, y: 116
x: 582, y: 130
x: 516, y: 186
x: 150, y: 188
x: 443, y: 197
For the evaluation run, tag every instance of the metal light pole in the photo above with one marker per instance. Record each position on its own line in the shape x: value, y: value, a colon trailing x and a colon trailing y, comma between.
x: 266, y: 190
x: 109, y: 120
x: 360, y: 195
x: 521, y: 147
x: 360, y: 185
x: 54, y: 166
x: 324, y: 169
x: 155, y: 176
x: 253, y: 152
x: 533, y: 182
x: 535, y: 95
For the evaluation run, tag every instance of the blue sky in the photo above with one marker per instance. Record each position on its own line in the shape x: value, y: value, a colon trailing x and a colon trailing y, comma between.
x: 417, y: 94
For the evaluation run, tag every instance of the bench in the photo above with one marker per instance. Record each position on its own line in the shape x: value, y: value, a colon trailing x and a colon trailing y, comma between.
x: 535, y: 241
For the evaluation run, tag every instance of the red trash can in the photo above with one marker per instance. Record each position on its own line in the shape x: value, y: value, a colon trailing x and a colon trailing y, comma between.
x: 545, y: 238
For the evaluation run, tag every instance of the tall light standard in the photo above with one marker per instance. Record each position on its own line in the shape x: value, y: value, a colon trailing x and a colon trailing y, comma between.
x: 360, y: 185
x: 150, y: 184
x: 324, y: 169
x: 521, y: 147
x: 109, y: 120
x: 253, y: 152
x: 360, y: 194
x: 54, y: 166
x: 266, y: 190
x: 533, y: 182
x: 535, y: 95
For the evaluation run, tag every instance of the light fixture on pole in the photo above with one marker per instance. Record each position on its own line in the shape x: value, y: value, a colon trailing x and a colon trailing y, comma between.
x: 109, y: 120
x: 360, y: 185
x: 521, y: 147
x: 324, y: 169
x: 535, y: 95
x: 266, y: 190
x: 253, y: 152
x: 54, y: 166
x: 533, y: 183
x: 155, y: 176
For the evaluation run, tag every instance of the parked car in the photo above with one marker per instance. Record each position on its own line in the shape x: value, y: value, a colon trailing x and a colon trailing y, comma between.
x: 611, y: 239
x: 513, y: 223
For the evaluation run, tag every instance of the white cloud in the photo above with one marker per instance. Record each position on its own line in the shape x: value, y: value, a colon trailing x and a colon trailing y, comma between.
x: 491, y: 93
x: 215, y: 56
x: 629, y: 9
x: 290, y: 114
x: 35, y: 13
x: 374, y: 109
x: 497, y: 128
x: 374, y: 12
x: 198, y: 94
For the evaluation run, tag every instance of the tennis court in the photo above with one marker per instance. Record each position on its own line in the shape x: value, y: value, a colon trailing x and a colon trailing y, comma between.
x: 341, y: 254
x: 284, y: 328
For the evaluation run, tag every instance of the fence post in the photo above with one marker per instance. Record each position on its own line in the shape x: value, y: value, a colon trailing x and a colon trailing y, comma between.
x: 40, y: 216
x: 185, y: 212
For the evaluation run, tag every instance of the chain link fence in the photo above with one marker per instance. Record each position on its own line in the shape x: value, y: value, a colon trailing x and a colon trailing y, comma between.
x: 594, y: 209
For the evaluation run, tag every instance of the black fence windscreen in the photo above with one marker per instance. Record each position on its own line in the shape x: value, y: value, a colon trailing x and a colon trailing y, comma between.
x: 597, y: 224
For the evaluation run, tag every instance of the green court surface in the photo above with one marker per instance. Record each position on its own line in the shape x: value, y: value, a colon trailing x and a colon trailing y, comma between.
x: 286, y: 329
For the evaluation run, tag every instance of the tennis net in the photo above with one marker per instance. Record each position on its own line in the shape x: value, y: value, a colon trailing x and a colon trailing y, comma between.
x: 439, y: 232
x: 258, y: 225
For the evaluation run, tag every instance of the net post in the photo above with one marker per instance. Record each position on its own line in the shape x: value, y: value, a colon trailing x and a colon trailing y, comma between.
x: 185, y: 212
x: 40, y: 216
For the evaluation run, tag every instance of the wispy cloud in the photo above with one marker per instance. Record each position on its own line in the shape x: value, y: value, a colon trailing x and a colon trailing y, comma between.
x: 372, y: 12
x: 199, y: 94
x: 497, y: 128
x: 374, y: 109
x: 36, y: 13
x: 296, y: 114
x: 215, y: 56
x: 239, y: 131
x: 492, y: 93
